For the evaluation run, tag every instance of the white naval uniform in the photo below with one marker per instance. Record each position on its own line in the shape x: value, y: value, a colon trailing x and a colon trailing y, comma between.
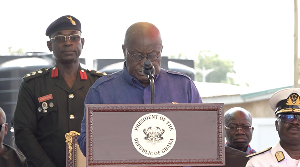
x: 268, y: 159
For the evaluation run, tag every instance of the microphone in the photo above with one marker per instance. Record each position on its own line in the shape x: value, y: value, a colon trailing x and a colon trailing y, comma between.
x: 148, y: 68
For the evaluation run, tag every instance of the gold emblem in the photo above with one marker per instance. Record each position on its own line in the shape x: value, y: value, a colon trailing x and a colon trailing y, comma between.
x: 293, y: 99
x: 71, y: 20
x: 51, y: 104
x: 69, y: 139
x: 40, y: 71
x: 279, y: 156
x: 33, y: 73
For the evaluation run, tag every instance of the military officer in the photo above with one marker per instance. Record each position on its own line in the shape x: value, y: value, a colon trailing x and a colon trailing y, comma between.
x: 286, y: 104
x: 51, y: 101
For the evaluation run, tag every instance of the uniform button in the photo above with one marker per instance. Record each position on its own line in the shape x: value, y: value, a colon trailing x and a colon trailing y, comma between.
x: 71, y: 96
x: 72, y: 116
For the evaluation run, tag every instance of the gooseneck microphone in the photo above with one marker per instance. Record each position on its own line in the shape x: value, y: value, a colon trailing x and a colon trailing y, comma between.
x: 148, y: 69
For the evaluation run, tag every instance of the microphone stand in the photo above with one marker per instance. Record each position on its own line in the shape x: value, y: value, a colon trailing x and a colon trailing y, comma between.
x: 151, y: 79
x: 149, y: 70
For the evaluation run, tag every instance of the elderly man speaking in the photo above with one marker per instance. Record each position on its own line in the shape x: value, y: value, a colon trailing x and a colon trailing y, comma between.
x: 130, y: 86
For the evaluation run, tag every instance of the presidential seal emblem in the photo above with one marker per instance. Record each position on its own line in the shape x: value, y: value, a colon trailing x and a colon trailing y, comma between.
x: 153, y: 135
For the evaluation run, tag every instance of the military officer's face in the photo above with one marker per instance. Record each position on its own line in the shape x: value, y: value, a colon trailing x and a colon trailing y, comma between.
x: 288, y: 127
x: 66, y: 46
x: 240, y: 133
x: 139, y: 47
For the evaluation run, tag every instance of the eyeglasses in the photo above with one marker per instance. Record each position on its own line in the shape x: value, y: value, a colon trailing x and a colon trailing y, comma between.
x: 1, y: 126
x: 236, y: 128
x: 138, y: 56
x: 288, y: 118
x: 63, y: 38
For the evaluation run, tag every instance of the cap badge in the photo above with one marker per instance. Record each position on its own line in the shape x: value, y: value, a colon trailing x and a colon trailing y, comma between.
x: 71, y: 20
x: 293, y: 99
x: 279, y: 156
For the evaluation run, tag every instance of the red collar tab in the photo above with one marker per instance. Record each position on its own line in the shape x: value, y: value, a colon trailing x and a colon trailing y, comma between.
x: 54, y: 72
x: 82, y: 75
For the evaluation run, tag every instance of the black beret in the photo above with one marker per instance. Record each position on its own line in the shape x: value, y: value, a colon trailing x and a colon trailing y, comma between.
x: 67, y: 22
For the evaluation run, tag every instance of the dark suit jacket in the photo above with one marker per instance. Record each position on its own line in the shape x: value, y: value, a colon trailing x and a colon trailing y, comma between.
x: 10, y: 157
x: 234, y: 158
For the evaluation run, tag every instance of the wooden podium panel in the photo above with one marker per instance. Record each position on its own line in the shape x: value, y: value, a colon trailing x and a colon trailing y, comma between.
x: 199, y: 134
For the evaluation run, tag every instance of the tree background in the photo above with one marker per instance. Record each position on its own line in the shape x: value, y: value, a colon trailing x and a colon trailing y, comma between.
x: 213, y: 67
x: 11, y: 51
x: 221, y: 70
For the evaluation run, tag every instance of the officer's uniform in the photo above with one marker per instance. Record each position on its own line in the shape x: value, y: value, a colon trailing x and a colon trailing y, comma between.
x: 47, y: 109
x: 283, y: 101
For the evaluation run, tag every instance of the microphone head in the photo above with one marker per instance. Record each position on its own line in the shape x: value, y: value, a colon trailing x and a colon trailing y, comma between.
x: 148, y: 68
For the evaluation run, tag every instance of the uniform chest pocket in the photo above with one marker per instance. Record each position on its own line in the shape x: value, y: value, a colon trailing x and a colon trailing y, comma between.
x: 47, y: 116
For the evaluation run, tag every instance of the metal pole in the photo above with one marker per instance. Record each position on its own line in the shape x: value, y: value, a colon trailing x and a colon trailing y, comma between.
x: 296, y: 68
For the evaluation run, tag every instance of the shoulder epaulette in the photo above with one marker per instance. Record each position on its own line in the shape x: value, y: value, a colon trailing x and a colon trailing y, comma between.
x: 177, y: 73
x: 36, y: 74
x: 260, y: 152
x: 93, y: 72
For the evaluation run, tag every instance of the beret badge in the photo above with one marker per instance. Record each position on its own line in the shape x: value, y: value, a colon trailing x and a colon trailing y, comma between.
x: 71, y: 20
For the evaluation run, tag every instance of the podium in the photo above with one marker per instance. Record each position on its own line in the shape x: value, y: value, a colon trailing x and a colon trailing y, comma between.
x: 155, y: 134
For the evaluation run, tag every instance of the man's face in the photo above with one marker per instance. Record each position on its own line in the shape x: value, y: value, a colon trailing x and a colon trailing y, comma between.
x: 4, y: 127
x: 66, y: 51
x: 144, y: 46
x: 289, y: 132
x: 239, y: 139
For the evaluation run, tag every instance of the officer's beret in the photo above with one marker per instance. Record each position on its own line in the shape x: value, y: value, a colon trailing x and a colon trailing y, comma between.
x: 286, y: 101
x: 67, y: 22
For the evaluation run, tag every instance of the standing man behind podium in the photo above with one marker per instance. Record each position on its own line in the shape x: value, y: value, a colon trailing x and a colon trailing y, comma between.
x: 130, y: 86
x: 238, y: 129
x: 51, y: 101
